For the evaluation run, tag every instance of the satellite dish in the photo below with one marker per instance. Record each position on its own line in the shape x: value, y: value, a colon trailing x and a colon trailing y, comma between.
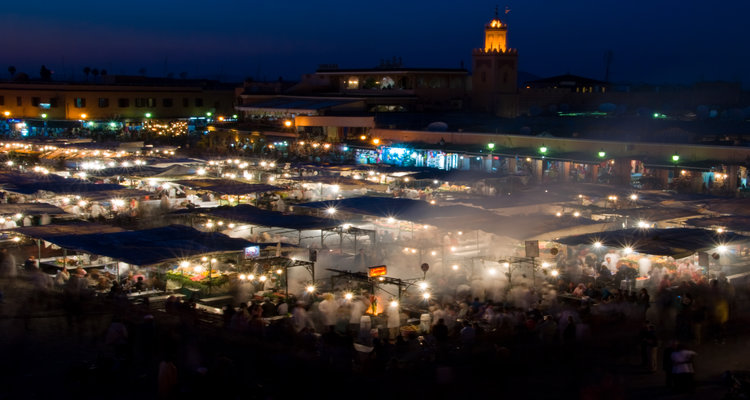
x: 437, y: 126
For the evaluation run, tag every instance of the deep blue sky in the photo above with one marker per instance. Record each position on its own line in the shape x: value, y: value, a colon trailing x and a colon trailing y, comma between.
x: 652, y: 40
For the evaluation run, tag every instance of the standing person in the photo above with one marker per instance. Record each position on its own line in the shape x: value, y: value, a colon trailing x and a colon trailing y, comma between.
x: 666, y: 364
x: 167, y: 379
x: 394, y: 320
x: 682, y: 368
x: 649, y: 343
x: 328, y: 309
x: 8, y: 267
x: 644, y: 300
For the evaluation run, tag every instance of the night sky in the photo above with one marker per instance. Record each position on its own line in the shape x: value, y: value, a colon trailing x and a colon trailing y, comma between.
x: 658, y: 41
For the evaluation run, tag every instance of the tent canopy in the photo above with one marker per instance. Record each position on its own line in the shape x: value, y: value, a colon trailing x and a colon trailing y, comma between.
x: 150, y: 246
x: 227, y: 186
x: 79, y: 228
x: 676, y: 242
x: 30, y: 209
x: 256, y: 216
x: 452, y: 217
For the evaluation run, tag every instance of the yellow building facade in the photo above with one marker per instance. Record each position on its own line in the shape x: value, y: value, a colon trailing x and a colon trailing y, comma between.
x: 74, y: 101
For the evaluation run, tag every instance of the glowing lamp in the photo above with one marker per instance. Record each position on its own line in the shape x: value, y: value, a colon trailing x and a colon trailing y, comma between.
x: 490, y: 146
x: 348, y: 296
x: 602, y: 154
x: 675, y: 158
x: 426, y: 295
x: 310, y: 288
x: 543, y: 149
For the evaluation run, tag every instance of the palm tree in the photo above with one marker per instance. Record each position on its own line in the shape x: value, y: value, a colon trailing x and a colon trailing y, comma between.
x: 103, y: 73
x: 12, y: 71
x: 95, y: 73
x: 87, y: 71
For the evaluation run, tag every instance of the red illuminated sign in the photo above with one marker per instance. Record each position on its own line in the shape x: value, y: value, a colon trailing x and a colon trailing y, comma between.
x: 378, y: 270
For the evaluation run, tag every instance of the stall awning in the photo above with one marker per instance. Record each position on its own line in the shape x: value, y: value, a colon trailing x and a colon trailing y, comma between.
x: 227, y: 186
x: 256, y: 216
x: 30, y: 184
x: 30, y: 209
x: 79, y: 228
x: 676, y: 242
x: 151, y: 246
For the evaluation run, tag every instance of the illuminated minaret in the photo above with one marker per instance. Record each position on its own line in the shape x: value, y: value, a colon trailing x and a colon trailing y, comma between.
x: 495, y: 72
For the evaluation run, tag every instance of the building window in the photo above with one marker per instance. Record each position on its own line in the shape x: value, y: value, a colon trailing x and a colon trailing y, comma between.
x: 199, y: 102
x: 167, y: 102
x: 35, y: 101
x: 140, y: 102
x: 53, y: 102
x: 2, y: 100
x: 151, y: 102
x: 19, y: 101
x: 123, y: 102
x: 352, y: 82
x: 185, y: 102
x: 103, y: 102
x: 484, y: 77
x: 79, y: 102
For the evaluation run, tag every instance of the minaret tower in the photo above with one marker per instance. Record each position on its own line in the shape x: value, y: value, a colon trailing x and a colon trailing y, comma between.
x: 495, y: 72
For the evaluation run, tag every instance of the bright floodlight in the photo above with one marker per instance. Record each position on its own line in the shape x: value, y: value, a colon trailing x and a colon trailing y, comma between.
x: 492, y: 271
x: 185, y: 264
x: 720, y: 230
x: 423, y: 285
x: 597, y: 244
x: 628, y: 250
x: 394, y: 304
x: 506, y: 264
x: 331, y: 210
x: 310, y: 288
x: 545, y: 264
x: 455, y: 267
x: 426, y: 295
x: 576, y: 214
x: 243, y: 277
x: 634, y: 197
x: 643, y: 224
x: 279, y: 271
x: 722, y: 248
x: 349, y: 296
x: 250, y: 277
x: 263, y: 278
x: 555, y: 272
